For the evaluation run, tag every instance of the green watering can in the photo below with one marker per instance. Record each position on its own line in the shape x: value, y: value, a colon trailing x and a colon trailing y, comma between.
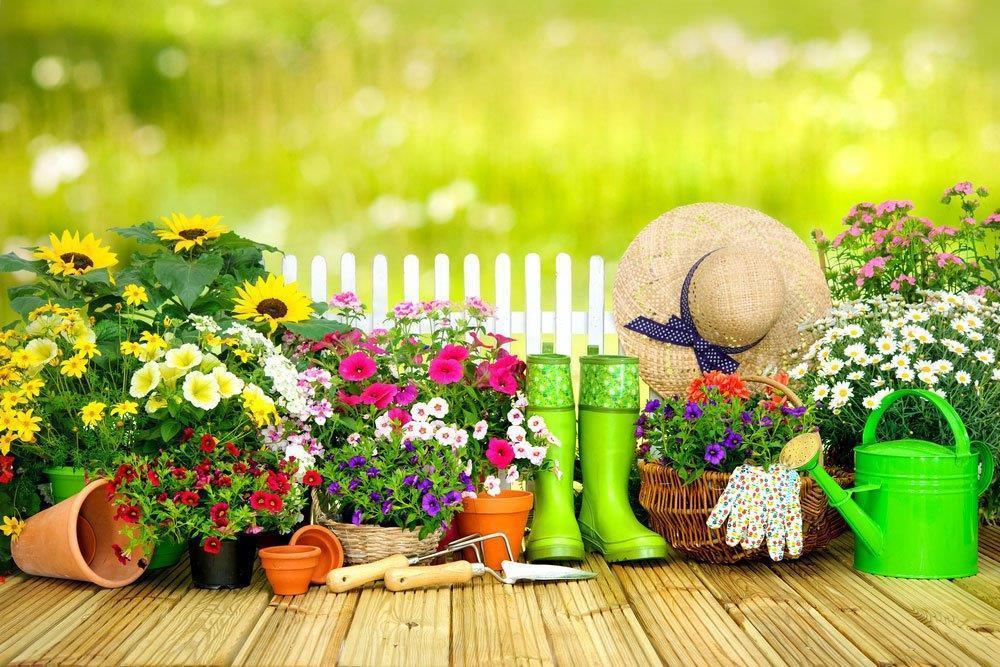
x: 914, y: 508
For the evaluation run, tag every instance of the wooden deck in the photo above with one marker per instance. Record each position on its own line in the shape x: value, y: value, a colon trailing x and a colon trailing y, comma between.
x: 816, y: 611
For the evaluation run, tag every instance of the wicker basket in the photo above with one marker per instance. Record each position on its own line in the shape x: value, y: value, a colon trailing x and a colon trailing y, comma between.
x: 679, y: 512
x: 365, y: 543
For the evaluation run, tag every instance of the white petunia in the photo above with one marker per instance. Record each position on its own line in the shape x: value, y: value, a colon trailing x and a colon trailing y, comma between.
x: 184, y: 357
x: 491, y: 485
x: 438, y: 407
x: 445, y: 436
x: 516, y: 434
x: 419, y: 412
x: 537, y: 455
x: 229, y: 384
x: 515, y: 416
x: 480, y: 429
x: 461, y: 438
x: 144, y: 380
x: 354, y: 438
x: 536, y: 424
x: 513, y: 474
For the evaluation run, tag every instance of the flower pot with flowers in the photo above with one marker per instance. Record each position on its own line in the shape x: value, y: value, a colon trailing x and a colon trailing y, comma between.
x: 692, y: 446
x: 214, y: 495
x: 918, y: 308
x: 433, y: 359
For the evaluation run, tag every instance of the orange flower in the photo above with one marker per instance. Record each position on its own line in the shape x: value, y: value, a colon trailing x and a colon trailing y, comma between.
x: 774, y: 399
x: 730, y: 386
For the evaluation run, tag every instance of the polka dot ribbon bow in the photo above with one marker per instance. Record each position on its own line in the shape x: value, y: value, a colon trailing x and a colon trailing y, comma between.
x: 682, y: 331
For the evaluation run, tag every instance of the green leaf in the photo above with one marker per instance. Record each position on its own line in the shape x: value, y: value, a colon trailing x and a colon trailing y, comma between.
x: 233, y: 241
x: 97, y: 276
x: 142, y: 233
x: 186, y: 279
x: 12, y: 262
x: 315, y: 328
x: 25, y: 304
x: 169, y: 430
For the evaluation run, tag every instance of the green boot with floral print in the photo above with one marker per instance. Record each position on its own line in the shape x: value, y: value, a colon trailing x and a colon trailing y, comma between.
x: 554, y: 532
x: 609, y: 407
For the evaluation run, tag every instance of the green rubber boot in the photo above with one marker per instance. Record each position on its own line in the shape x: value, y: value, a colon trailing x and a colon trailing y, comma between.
x: 609, y: 406
x: 554, y: 533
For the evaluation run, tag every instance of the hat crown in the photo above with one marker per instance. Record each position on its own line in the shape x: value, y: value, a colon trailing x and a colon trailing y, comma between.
x: 736, y: 296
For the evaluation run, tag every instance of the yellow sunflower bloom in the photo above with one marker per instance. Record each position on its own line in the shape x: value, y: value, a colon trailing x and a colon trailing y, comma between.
x: 135, y: 295
x: 125, y: 408
x: 92, y: 413
x: 190, y: 232
x: 73, y: 256
x: 12, y: 527
x: 74, y: 367
x: 271, y: 301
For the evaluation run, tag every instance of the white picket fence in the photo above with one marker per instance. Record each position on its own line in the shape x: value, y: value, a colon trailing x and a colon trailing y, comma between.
x: 531, y: 323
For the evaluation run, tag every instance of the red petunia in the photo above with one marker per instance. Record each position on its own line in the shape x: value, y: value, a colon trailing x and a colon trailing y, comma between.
x: 128, y: 513
x: 120, y: 555
x: 730, y: 386
x: 187, y: 434
x: 188, y: 498
x: 379, y: 394
x: 219, y: 512
x: 312, y: 478
x: 153, y: 478
x: 257, y: 500
x: 278, y: 482
x: 208, y: 443
x: 6, y: 469
x: 273, y: 503
x: 162, y: 498
x: 233, y: 450
x: 212, y: 545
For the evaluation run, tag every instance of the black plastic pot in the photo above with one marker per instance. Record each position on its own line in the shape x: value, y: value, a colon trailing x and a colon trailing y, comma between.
x: 232, y: 567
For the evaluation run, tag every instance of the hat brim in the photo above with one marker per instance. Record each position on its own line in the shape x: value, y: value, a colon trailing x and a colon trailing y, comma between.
x: 652, y: 270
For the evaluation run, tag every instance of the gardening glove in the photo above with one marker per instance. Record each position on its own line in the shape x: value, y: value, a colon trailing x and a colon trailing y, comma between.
x: 784, y: 526
x: 746, y: 515
x: 727, y: 501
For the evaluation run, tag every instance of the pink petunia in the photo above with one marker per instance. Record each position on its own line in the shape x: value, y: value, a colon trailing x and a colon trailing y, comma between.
x: 356, y: 367
x: 455, y: 352
x: 445, y: 371
x: 379, y: 394
x: 406, y: 395
x: 348, y: 399
x: 398, y: 416
x: 499, y: 453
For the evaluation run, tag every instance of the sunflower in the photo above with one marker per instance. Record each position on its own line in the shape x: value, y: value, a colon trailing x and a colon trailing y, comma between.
x: 271, y: 301
x: 73, y: 256
x: 190, y: 232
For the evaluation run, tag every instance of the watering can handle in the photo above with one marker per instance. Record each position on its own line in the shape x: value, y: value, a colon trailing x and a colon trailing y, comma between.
x: 950, y: 416
x: 987, y: 463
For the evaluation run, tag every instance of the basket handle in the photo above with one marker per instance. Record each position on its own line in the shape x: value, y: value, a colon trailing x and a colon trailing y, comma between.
x: 792, y: 397
x: 950, y: 416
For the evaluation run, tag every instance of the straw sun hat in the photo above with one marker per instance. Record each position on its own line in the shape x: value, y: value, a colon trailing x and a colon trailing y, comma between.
x: 715, y: 287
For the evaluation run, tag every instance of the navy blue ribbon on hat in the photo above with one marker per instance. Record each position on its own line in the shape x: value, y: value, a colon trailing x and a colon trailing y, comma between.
x: 682, y: 331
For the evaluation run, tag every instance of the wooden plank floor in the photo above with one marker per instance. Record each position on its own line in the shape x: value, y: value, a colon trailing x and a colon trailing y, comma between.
x: 816, y: 611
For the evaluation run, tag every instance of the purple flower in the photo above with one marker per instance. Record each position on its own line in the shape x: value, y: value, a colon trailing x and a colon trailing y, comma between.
x: 766, y: 421
x: 641, y: 421
x: 375, y: 496
x: 408, y: 446
x: 746, y: 417
x: 353, y: 484
x: 793, y: 412
x: 410, y: 480
x: 639, y: 432
x: 356, y: 462
x: 333, y: 489
x: 386, y: 507
x: 715, y: 453
x: 373, y: 471
x: 733, y: 439
x: 406, y: 395
x: 356, y: 517
x: 452, y: 497
x: 414, y: 459
x: 692, y: 411
x: 424, y: 485
x: 652, y: 405
x: 464, y: 479
x: 430, y: 504
x: 668, y: 412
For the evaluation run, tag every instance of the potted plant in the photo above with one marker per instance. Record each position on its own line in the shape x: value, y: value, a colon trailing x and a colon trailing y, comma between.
x: 691, y: 444
x: 919, y: 309
x: 215, y: 494
x: 394, y: 489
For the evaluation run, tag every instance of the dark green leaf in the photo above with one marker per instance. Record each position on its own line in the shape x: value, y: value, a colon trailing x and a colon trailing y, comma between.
x: 12, y: 262
x: 169, y: 430
x: 315, y: 328
x: 25, y: 304
x: 142, y: 233
x: 233, y: 241
x: 97, y: 276
x: 186, y: 279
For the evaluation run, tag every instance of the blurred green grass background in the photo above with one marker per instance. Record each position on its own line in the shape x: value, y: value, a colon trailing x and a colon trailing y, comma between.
x: 456, y: 126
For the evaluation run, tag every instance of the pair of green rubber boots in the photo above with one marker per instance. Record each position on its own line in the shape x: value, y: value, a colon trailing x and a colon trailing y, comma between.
x: 609, y: 406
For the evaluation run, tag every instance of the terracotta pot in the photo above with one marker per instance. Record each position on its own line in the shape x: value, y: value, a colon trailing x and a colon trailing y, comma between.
x: 504, y: 513
x: 331, y: 552
x: 289, y: 568
x: 231, y: 568
x: 73, y: 540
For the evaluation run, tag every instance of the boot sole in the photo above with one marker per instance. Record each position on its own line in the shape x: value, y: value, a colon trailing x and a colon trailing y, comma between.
x: 555, y: 553
x: 614, y: 554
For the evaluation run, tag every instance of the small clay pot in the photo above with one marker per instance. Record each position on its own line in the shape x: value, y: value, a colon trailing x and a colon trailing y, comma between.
x: 289, y: 568
x: 331, y: 552
x: 232, y: 567
x: 504, y: 513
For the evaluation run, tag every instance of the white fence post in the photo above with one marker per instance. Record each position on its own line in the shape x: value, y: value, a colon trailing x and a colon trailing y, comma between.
x: 532, y: 303
x: 564, y: 304
x: 317, y: 279
x: 348, y: 273
x: 595, y: 304
x: 289, y: 268
x: 380, y: 291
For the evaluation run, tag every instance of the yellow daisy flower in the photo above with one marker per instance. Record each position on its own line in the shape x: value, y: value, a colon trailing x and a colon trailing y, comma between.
x: 92, y: 413
x: 74, y: 367
x: 125, y: 408
x: 135, y: 295
x: 271, y: 301
x: 6, y: 420
x: 244, y: 355
x: 32, y: 388
x: 25, y: 423
x: 86, y: 348
x: 73, y: 256
x: 12, y: 399
x: 12, y: 527
x: 130, y: 348
x: 6, y: 441
x: 190, y: 232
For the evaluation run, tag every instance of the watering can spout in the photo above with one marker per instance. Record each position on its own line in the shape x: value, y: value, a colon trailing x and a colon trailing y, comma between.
x: 802, y: 453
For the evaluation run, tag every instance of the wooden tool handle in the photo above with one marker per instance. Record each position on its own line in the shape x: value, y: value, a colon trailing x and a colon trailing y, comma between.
x: 354, y: 576
x: 408, y: 579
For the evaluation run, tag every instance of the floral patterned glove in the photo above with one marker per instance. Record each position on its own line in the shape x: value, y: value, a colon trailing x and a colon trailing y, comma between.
x: 745, y: 506
x: 784, y: 521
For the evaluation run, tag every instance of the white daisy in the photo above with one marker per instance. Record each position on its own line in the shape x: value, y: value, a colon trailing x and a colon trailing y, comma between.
x: 885, y: 345
x: 854, y: 351
x: 820, y: 392
x: 928, y: 378
x: 962, y: 377
x: 985, y: 356
x: 905, y: 374
x: 855, y: 375
x: 853, y: 331
x: 842, y: 391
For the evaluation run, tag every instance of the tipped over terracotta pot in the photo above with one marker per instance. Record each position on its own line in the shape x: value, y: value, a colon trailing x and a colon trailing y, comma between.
x: 289, y: 568
x: 75, y: 539
x: 505, y: 513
